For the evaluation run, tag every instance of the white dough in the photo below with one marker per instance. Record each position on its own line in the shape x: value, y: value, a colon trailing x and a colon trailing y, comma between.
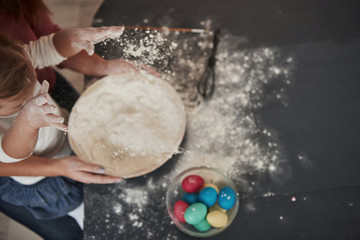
x: 128, y: 123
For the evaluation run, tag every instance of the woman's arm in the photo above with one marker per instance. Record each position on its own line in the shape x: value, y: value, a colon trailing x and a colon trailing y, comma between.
x: 82, y: 62
x: 77, y: 45
x: 71, y: 167
x: 96, y: 66
x: 69, y: 42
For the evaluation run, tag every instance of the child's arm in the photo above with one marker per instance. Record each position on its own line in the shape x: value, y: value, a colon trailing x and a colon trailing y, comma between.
x: 71, y: 167
x: 19, y: 141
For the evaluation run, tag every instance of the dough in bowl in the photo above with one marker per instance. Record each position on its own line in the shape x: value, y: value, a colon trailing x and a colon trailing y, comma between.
x: 131, y: 124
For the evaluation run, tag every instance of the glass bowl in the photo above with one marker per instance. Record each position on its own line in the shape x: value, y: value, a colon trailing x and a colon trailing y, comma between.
x: 210, y: 175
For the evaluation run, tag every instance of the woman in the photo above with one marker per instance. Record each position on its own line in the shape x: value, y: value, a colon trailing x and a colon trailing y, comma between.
x: 28, y: 20
x: 25, y: 21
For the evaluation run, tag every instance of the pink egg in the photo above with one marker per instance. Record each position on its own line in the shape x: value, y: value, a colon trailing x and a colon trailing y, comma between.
x: 179, y: 210
x: 192, y: 183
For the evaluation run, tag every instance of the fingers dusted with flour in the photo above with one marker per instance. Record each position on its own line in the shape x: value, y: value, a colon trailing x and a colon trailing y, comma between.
x: 100, y: 34
x: 38, y: 112
x: 84, y: 172
x: 78, y: 46
x: 69, y: 42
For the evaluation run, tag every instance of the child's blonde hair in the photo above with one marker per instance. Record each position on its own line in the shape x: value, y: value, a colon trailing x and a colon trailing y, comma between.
x: 16, y: 71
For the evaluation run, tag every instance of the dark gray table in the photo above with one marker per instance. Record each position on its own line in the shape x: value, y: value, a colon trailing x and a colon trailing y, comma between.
x: 317, y: 128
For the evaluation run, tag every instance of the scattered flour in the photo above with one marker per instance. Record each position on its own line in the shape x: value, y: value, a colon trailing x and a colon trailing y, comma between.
x: 118, y: 208
x: 222, y: 132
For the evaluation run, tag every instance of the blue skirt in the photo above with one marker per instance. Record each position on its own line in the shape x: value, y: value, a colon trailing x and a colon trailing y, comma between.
x: 50, y: 198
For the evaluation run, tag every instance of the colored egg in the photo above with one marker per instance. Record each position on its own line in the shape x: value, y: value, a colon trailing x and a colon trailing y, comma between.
x: 217, y: 219
x: 179, y: 210
x: 211, y: 185
x: 192, y: 183
x: 190, y: 198
x: 208, y: 196
x: 195, y: 213
x: 227, y: 198
x: 217, y: 207
x: 202, y: 226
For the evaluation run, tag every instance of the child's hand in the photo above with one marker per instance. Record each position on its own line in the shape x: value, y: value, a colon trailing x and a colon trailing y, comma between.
x: 75, y: 168
x: 69, y: 42
x: 37, y: 112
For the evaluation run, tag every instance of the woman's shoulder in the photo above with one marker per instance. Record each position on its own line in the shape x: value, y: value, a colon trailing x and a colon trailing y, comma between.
x: 19, y: 30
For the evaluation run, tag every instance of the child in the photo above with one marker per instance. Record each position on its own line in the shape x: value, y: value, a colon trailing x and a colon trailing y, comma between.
x: 33, y: 148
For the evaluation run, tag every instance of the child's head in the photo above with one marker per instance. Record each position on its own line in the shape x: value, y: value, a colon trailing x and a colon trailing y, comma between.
x: 17, y: 76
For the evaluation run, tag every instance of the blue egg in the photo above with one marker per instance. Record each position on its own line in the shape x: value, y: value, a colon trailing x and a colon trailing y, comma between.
x: 190, y: 198
x: 208, y: 196
x: 227, y: 198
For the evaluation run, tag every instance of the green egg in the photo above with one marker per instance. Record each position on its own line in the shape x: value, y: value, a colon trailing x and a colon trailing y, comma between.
x: 202, y: 226
x: 195, y: 213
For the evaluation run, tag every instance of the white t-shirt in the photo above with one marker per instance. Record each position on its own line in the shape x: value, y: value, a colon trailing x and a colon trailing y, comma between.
x: 51, y: 143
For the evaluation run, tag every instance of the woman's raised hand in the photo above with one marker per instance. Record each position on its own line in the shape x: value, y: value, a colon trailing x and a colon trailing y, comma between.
x: 69, y: 42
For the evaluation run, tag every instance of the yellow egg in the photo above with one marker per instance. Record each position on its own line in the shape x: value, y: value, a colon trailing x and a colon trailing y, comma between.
x: 218, y: 208
x: 211, y: 185
x: 217, y: 218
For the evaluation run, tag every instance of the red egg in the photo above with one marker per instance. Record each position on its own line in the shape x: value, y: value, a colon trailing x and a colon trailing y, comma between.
x: 179, y: 210
x: 192, y: 183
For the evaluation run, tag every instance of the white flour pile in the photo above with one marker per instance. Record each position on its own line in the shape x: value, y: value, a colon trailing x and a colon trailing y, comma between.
x: 222, y: 132
x: 134, y: 116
